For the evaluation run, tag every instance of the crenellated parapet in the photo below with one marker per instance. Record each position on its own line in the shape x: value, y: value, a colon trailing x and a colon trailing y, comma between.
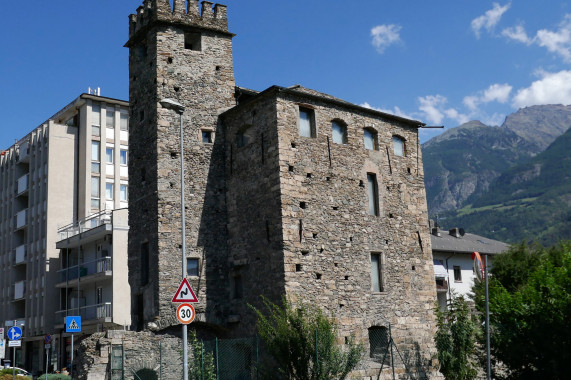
x: 184, y: 12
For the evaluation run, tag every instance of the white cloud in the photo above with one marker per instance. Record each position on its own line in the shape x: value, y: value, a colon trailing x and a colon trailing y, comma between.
x: 396, y: 111
x: 384, y: 36
x: 495, y: 119
x: 552, y: 88
x: 434, y: 110
x: 517, y: 33
x: 489, y: 19
x: 557, y: 42
x: 495, y: 93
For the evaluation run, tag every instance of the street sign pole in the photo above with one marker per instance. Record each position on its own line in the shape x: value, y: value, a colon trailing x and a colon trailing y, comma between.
x: 47, y: 352
x: 71, y: 364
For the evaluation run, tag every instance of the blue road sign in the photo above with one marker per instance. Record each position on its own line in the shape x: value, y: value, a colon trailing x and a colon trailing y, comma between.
x: 73, y: 324
x: 15, y: 333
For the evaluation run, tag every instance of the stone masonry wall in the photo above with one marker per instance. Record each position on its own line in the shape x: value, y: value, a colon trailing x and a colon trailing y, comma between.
x: 255, y: 238
x: 202, y: 80
x: 328, y: 242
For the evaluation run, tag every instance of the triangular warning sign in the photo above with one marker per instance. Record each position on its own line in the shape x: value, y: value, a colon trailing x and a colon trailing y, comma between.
x: 73, y: 325
x: 184, y: 293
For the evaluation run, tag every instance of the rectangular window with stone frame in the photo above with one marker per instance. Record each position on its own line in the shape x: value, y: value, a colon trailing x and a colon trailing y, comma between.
x: 373, y: 194
x: 307, y: 122
x: 377, y: 275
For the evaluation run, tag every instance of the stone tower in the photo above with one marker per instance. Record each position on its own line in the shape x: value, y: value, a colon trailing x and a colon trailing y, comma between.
x: 182, y: 53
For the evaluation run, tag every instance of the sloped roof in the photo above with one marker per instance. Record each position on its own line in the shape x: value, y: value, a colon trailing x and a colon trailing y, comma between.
x: 297, y: 89
x: 466, y: 244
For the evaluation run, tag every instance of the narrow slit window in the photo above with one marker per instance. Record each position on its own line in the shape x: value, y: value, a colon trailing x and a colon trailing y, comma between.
x: 373, y: 194
x: 377, y: 272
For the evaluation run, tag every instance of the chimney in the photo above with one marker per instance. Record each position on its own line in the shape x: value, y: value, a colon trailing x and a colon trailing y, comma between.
x: 455, y: 232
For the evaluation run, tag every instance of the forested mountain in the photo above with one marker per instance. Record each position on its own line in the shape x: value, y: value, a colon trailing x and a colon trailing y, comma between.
x: 501, y: 182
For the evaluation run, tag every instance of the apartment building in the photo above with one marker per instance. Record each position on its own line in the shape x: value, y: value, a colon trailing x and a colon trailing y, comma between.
x: 63, y: 227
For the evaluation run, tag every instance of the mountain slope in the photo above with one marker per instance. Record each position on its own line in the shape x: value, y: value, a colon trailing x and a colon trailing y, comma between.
x: 530, y: 201
x: 540, y: 124
x: 463, y: 161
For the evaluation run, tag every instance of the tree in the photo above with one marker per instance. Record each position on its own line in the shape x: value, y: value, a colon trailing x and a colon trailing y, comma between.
x: 301, y: 340
x: 455, y: 340
x: 202, y: 367
x: 530, y: 311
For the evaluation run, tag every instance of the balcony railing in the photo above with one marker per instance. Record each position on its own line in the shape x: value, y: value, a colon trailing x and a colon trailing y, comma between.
x: 20, y: 255
x: 88, y: 313
x: 21, y: 219
x: 22, y: 184
x: 24, y: 152
x: 19, y: 290
x: 85, y: 269
x: 92, y: 221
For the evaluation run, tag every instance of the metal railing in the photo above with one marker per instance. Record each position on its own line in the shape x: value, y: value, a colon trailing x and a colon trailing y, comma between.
x: 19, y: 290
x: 85, y: 269
x: 92, y: 221
x: 89, y: 312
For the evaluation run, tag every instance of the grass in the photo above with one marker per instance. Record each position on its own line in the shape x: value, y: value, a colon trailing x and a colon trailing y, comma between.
x: 468, y: 209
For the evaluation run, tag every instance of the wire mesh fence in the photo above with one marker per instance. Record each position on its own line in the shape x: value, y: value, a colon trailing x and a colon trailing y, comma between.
x: 218, y: 359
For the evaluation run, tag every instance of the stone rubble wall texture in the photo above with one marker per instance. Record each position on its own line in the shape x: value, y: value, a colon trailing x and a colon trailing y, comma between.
x: 203, y: 81
x: 245, y: 218
x: 327, y: 261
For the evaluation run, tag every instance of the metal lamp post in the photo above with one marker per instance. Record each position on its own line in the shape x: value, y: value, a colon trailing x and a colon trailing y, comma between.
x: 179, y: 108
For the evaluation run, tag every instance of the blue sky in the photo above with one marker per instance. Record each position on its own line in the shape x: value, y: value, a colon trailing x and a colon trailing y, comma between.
x: 442, y: 62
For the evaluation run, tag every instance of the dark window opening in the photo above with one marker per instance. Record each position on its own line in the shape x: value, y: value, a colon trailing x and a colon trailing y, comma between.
x: 238, y: 288
x: 298, y: 267
x: 290, y: 168
x: 318, y: 276
x: 174, y: 155
x: 302, y: 205
x: 145, y: 257
x: 192, y: 267
x: 169, y: 60
x: 193, y: 41
x: 457, y: 274
x: 207, y: 137
x: 378, y: 343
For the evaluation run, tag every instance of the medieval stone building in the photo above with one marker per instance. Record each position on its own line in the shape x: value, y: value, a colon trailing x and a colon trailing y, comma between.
x: 289, y: 192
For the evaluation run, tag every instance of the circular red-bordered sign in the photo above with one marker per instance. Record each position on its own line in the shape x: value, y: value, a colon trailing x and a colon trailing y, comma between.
x: 185, y: 313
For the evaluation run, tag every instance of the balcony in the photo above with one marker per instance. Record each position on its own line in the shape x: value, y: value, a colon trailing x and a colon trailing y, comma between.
x: 88, y: 272
x: 23, y: 182
x: 21, y: 219
x: 441, y: 285
x: 24, y: 152
x: 98, y: 312
x: 103, y: 218
x: 20, y: 255
x: 19, y: 291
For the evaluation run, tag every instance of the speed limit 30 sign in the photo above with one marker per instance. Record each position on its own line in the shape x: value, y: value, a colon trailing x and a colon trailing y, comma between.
x: 185, y: 313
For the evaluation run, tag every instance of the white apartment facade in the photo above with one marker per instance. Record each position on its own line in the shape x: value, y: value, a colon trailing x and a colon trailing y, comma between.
x: 453, y: 265
x: 63, y: 206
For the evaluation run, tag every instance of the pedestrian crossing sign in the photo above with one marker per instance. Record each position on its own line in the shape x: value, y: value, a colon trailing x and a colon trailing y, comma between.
x: 73, y: 324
